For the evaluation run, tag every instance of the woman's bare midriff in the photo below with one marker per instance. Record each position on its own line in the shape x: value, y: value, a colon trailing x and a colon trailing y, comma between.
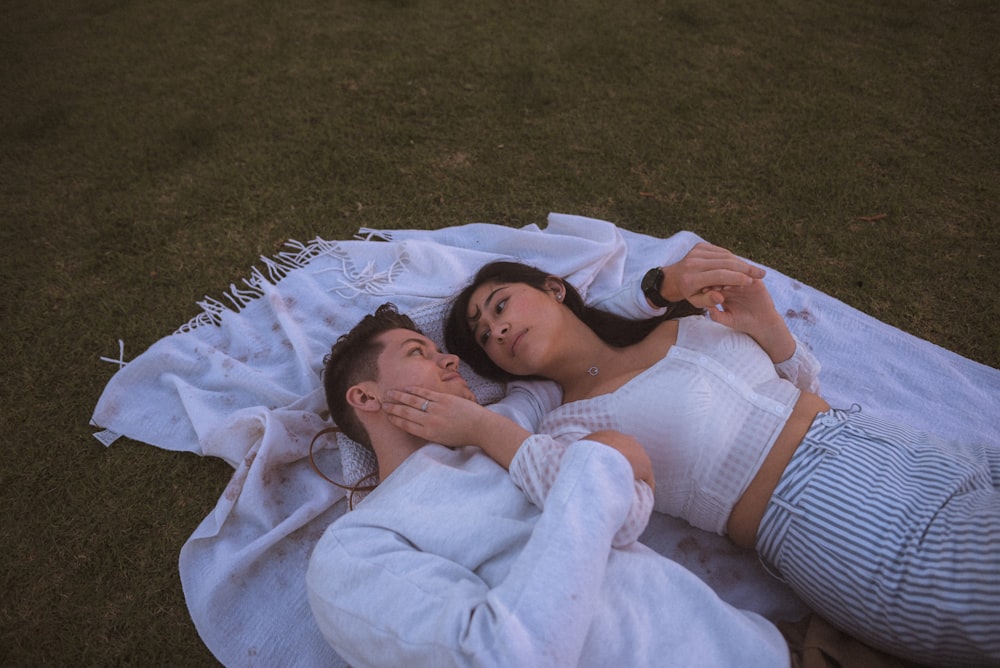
x: 749, y: 510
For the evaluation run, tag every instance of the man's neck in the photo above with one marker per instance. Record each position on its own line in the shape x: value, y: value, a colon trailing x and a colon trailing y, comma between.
x: 392, y: 447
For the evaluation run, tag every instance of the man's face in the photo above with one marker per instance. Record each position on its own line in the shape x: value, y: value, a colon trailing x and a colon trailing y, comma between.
x: 410, y: 359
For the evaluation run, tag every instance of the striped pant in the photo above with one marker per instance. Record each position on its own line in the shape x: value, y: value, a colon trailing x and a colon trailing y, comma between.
x: 894, y: 536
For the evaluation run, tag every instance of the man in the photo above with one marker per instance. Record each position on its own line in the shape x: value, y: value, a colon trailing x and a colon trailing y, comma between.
x: 447, y: 562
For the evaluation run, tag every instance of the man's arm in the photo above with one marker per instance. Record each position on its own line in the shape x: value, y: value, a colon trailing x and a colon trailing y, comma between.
x: 701, y: 277
x: 391, y: 603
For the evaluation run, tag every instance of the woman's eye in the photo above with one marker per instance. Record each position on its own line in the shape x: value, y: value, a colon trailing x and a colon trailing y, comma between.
x: 501, y: 305
x: 484, y: 337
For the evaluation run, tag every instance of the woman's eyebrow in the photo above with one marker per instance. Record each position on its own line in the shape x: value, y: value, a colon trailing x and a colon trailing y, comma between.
x: 474, y: 318
x: 489, y: 297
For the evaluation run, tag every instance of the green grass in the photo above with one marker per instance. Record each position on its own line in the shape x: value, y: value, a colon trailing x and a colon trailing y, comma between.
x: 151, y: 152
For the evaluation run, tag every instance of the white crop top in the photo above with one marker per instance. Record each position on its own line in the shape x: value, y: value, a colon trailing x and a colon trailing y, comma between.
x: 707, y: 414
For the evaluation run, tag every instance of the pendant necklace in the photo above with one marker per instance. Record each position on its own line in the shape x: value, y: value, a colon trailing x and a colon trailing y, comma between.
x: 593, y: 371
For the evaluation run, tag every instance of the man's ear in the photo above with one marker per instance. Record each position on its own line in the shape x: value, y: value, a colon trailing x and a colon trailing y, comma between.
x: 362, y: 397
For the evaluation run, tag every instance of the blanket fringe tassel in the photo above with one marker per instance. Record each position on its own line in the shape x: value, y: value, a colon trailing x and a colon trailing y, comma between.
x: 366, y: 280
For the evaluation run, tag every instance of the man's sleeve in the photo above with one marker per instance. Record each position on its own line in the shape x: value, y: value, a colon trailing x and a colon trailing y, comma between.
x: 628, y: 301
x: 382, y: 601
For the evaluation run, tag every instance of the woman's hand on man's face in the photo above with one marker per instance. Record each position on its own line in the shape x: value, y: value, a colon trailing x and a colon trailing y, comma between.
x: 434, y: 416
x: 455, y: 422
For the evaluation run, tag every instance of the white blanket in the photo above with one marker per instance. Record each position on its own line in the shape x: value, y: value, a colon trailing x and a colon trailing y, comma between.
x: 242, y: 382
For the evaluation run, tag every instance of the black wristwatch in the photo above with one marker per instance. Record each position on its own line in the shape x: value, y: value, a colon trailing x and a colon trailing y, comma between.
x: 651, y: 283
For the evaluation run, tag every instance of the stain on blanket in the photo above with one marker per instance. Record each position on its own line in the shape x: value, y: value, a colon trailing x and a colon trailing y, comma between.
x: 716, y: 572
x: 804, y: 315
x: 235, y: 485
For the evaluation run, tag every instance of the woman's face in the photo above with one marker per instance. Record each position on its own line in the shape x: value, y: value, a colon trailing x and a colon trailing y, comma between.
x: 517, y: 325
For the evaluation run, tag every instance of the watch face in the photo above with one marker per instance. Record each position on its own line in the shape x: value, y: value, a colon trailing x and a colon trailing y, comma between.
x: 651, y: 287
x: 651, y: 281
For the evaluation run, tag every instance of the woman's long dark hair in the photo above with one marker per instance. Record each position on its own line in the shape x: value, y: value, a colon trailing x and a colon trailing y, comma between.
x: 613, y: 329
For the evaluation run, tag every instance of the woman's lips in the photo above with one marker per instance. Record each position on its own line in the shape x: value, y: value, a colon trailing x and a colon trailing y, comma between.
x: 514, y: 344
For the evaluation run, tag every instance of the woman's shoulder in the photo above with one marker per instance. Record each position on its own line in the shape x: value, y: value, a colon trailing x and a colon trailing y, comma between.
x: 654, y: 348
x: 667, y: 331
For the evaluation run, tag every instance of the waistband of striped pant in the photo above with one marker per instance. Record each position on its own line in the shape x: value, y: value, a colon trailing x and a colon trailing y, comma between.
x: 816, y: 446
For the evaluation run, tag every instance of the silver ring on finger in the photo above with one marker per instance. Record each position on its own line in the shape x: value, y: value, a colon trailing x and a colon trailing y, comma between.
x: 426, y: 404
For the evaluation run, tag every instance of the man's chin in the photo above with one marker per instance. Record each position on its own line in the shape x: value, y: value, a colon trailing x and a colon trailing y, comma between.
x: 464, y: 392
x: 459, y: 387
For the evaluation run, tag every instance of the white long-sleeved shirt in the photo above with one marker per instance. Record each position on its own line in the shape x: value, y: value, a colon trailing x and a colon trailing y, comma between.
x: 447, y: 563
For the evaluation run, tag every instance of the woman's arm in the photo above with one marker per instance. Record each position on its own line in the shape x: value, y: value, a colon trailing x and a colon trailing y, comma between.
x: 801, y: 369
x: 536, y: 465
x: 455, y: 422
x: 534, y: 460
x: 750, y: 309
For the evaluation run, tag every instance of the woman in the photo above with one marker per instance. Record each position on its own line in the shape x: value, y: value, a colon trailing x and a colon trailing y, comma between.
x: 892, y: 534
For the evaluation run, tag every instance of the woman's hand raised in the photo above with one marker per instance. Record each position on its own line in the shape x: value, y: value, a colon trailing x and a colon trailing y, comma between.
x: 750, y: 309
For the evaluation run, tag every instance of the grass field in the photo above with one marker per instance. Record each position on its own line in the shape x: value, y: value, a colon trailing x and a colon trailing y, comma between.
x: 151, y: 152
